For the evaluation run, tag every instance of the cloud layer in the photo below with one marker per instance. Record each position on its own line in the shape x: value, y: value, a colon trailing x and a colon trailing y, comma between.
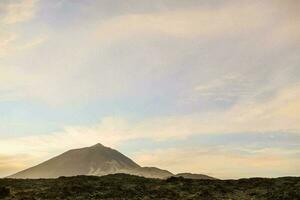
x: 279, y: 114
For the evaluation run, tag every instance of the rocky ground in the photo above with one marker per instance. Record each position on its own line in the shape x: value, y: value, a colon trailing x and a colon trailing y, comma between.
x: 122, y: 186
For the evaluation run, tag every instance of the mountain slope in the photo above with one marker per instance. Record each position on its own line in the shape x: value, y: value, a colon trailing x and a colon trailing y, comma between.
x: 96, y: 160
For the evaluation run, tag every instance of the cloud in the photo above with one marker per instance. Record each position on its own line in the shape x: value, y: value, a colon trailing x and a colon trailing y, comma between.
x: 224, y: 88
x: 249, y: 115
x: 279, y: 114
x: 151, y: 48
x: 12, y: 43
x: 267, y: 23
x: 12, y: 38
x: 205, y: 22
x: 19, y: 11
x: 223, y: 162
x: 6, y: 39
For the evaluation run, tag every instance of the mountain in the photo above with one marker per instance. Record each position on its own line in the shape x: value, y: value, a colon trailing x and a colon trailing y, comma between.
x: 96, y: 160
x: 194, y: 176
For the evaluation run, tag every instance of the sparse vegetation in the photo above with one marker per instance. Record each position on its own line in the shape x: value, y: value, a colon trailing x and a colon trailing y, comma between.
x: 4, y: 192
x: 123, y: 186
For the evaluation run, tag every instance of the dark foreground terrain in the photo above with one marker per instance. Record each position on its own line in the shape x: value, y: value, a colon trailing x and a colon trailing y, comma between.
x: 122, y: 186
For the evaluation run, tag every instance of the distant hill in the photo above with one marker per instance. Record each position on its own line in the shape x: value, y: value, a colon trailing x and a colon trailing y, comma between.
x: 96, y: 160
x: 193, y: 176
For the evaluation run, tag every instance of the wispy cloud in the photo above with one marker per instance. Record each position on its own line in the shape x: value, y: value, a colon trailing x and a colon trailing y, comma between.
x: 6, y: 39
x: 207, y: 23
x: 252, y: 27
x: 224, y: 88
x: 223, y: 162
x: 19, y: 11
x: 275, y: 115
x: 16, y: 13
x: 12, y: 43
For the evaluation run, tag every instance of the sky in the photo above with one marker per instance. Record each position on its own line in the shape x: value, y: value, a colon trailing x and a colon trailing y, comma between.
x: 209, y: 87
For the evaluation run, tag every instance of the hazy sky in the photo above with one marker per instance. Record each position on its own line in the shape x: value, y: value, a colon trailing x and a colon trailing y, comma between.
x: 208, y: 87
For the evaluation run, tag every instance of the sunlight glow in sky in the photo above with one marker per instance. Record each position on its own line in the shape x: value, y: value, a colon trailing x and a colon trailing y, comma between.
x: 209, y: 87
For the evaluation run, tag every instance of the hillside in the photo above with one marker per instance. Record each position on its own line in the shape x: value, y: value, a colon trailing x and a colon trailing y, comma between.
x: 193, y: 176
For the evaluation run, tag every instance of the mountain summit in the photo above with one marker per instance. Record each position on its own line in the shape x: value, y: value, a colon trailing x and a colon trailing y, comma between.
x: 96, y: 160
